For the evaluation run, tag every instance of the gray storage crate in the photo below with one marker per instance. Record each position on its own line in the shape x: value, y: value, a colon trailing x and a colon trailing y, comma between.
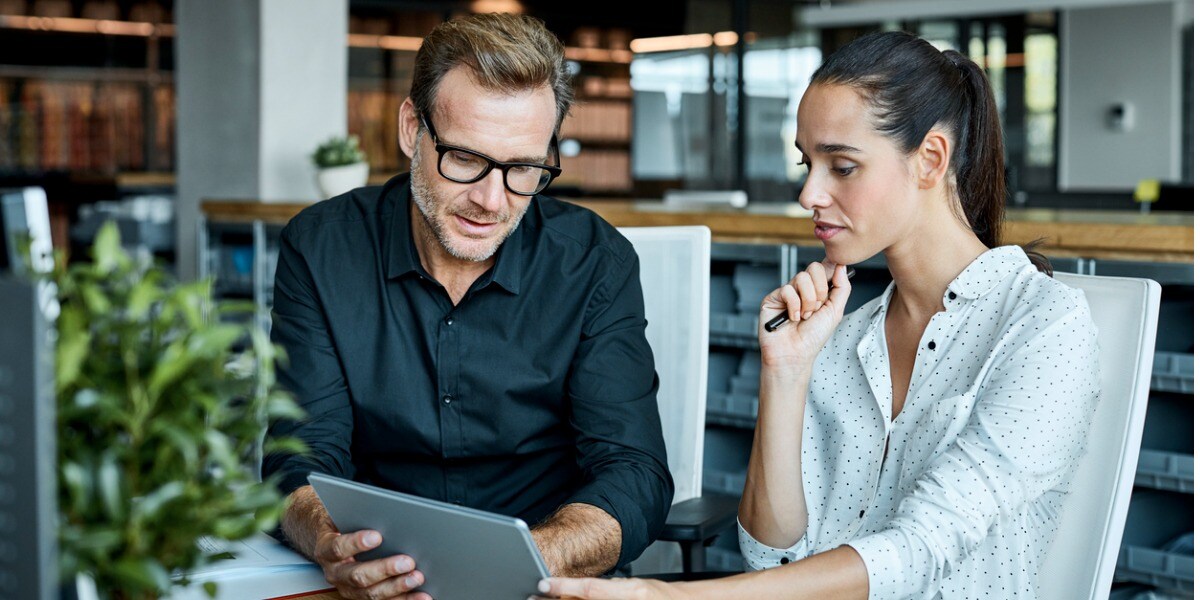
x: 721, y: 298
x: 752, y: 283
x: 1171, y: 471
x: 1173, y: 372
x: 1150, y: 552
x: 733, y: 330
x: 733, y: 410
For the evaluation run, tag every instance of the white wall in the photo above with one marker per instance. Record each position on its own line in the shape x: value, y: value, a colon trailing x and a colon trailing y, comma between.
x: 259, y: 83
x: 303, y: 90
x: 1120, y: 54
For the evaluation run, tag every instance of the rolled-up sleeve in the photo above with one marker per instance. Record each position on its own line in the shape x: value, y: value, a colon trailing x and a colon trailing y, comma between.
x: 757, y: 556
x: 1024, y: 437
x: 612, y: 391
x: 312, y: 371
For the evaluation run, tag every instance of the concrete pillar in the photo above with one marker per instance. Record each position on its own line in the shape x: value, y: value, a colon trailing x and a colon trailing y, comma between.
x: 259, y: 83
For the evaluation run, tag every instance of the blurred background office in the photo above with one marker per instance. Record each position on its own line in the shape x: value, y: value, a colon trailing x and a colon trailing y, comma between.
x: 193, y: 124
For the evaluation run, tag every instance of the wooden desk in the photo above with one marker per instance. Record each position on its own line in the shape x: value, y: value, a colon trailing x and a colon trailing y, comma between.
x: 1120, y: 235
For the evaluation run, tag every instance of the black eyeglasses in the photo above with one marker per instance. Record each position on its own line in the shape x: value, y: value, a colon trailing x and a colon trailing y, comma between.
x: 462, y: 165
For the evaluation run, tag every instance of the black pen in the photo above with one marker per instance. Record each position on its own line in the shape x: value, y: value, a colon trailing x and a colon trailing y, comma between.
x: 778, y: 320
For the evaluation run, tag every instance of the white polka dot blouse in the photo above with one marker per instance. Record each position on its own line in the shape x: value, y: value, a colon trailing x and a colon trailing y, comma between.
x: 959, y: 496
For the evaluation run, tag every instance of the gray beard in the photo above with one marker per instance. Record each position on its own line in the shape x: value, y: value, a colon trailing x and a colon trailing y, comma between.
x: 425, y: 198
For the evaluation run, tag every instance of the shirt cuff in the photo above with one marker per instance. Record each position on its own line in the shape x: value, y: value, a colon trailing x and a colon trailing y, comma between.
x: 758, y: 556
x: 629, y: 514
x: 885, y: 573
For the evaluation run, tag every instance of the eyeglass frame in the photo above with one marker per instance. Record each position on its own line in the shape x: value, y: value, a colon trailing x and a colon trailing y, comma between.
x: 555, y: 169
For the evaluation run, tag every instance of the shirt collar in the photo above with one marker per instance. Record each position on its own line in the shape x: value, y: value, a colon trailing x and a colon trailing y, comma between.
x: 975, y: 281
x: 987, y: 270
x: 402, y: 255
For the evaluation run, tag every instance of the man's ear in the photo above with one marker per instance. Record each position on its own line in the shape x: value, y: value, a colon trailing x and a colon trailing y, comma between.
x: 407, y: 128
x: 932, y: 159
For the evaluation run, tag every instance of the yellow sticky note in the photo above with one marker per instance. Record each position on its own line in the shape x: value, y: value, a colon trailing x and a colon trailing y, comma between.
x: 1146, y: 191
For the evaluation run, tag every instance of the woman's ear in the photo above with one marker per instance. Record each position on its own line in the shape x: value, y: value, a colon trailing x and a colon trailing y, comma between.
x: 407, y: 128
x: 933, y: 159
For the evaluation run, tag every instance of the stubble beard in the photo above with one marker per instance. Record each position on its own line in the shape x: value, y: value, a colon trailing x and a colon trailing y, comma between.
x: 428, y: 202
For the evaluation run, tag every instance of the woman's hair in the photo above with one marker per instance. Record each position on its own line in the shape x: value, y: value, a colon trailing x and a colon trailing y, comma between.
x: 911, y: 87
x: 505, y: 53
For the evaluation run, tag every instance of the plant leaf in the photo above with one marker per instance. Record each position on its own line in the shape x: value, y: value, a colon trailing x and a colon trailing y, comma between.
x: 107, y: 248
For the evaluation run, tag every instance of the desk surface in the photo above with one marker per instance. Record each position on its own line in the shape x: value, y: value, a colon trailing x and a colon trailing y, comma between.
x: 1104, y: 234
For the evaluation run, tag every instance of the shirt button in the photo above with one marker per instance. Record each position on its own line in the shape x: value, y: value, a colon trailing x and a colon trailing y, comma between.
x: 784, y: 561
x: 932, y: 345
x: 953, y: 295
x: 447, y: 399
x: 449, y: 320
x: 861, y: 513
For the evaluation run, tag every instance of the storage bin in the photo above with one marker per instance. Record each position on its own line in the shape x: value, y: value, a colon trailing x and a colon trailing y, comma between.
x: 1152, y: 551
x: 1172, y: 471
x: 732, y: 410
x: 1173, y: 372
x: 752, y: 283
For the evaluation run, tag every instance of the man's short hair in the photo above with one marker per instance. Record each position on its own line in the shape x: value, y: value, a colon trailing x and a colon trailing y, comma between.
x: 505, y: 53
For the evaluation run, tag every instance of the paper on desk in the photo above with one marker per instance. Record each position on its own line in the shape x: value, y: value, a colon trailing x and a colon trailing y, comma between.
x: 261, y: 567
x: 259, y: 551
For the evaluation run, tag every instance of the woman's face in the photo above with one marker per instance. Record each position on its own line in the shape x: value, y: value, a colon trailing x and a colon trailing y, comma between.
x: 859, y: 185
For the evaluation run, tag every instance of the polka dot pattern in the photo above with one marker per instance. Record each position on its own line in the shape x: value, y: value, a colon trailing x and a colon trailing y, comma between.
x: 959, y: 496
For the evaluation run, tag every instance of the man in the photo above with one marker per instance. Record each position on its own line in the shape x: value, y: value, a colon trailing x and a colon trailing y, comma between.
x: 454, y: 335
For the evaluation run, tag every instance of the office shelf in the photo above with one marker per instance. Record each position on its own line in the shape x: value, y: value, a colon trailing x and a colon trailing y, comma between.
x: 1157, y: 548
x: 1173, y: 372
x: 732, y: 410
x: 1160, y: 568
x: 735, y: 330
x: 1171, y: 471
x: 752, y: 283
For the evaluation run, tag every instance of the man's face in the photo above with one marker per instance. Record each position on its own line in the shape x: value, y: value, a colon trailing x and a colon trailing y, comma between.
x: 471, y: 220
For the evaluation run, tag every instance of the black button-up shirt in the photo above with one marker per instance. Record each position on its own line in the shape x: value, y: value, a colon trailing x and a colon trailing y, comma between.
x: 537, y: 390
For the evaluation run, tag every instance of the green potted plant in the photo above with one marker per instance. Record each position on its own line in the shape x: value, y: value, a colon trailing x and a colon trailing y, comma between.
x: 341, y: 165
x: 162, y: 404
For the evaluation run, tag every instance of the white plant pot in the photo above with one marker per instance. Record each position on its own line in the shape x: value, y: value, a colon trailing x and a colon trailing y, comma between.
x: 335, y: 181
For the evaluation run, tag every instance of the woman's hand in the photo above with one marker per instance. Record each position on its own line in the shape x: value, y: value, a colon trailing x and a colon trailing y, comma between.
x: 609, y: 589
x: 814, y: 305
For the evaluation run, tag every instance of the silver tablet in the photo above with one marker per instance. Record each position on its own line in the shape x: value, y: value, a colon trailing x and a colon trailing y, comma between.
x: 465, y: 554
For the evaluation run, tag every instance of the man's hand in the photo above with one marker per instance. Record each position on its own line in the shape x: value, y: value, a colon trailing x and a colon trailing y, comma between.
x: 308, y: 527
x: 391, y: 577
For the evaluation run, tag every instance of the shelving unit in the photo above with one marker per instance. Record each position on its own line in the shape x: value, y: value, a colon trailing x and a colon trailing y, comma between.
x: 1157, y: 548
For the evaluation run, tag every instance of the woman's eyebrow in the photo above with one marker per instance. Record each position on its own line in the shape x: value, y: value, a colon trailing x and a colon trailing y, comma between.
x: 831, y: 148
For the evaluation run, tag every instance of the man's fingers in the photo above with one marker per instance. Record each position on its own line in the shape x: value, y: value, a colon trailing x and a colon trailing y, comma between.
x: 396, y: 586
x: 350, y: 544
x: 371, y: 573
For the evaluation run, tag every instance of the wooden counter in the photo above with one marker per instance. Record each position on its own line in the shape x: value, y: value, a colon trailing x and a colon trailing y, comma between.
x: 1121, y: 235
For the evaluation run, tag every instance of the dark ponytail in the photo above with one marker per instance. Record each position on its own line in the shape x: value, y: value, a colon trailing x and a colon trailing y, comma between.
x: 912, y: 87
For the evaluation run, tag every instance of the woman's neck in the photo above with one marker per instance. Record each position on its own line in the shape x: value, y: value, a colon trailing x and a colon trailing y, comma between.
x: 925, y: 263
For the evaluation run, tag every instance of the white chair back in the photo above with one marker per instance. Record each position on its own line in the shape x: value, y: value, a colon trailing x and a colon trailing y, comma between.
x: 675, y: 272
x: 1083, y: 555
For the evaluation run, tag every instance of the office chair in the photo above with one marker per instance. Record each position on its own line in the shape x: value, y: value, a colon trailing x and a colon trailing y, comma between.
x: 675, y: 284
x: 1081, y: 559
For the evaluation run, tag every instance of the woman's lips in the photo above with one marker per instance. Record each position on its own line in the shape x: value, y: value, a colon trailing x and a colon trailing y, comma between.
x: 825, y: 232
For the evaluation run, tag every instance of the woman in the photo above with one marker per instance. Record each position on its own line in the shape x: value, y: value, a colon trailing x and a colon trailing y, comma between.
x: 918, y: 447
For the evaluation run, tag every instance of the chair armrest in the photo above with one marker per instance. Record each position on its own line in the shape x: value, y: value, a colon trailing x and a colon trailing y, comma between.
x: 699, y: 519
